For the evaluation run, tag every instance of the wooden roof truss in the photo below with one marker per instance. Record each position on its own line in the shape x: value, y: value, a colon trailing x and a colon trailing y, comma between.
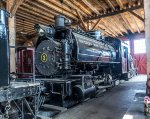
x: 113, y: 17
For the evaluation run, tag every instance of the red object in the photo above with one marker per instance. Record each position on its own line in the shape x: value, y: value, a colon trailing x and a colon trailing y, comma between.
x: 141, y: 63
x: 140, y: 59
x: 24, y: 62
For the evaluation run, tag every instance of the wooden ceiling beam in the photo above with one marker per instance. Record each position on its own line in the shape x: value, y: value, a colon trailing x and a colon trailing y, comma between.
x: 80, y: 25
x: 112, y: 33
x: 34, y: 22
x: 90, y: 6
x: 35, y: 14
x: 32, y: 17
x: 128, y: 9
x: 113, y: 8
x: 119, y: 2
x: 96, y: 24
x: 126, y: 22
x: 136, y: 15
x: 88, y: 25
x: 26, y: 23
x: 31, y: 20
x: 82, y: 8
x: 57, y: 9
x: 116, y: 26
x: 104, y: 29
x: 39, y: 11
x: 103, y: 7
x: 109, y: 28
x: 42, y: 7
x: 26, y: 30
x: 123, y: 26
x: 81, y: 20
x: 22, y: 15
x: 73, y: 6
x: 15, y: 5
x: 110, y: 4
x: 135, y: 23
x: 24, y: 26
x: 63, y: 6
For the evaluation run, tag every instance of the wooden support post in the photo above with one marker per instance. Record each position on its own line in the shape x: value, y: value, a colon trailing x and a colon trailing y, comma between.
x: 147, y: 35
x: 12, y: 36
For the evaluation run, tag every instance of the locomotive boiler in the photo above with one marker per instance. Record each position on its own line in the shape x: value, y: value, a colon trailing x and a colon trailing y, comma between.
x: 74, y: 65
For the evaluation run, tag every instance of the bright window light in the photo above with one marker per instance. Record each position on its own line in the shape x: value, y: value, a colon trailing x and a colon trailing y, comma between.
x: 139, y: 46
x: 127, y: 117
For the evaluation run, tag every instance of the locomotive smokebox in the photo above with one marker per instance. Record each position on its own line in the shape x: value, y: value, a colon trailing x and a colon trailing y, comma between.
x: 59, y: 21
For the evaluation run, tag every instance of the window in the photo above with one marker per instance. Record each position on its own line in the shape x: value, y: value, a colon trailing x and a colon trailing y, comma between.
x: 139, y: 46
x: 127, y: 42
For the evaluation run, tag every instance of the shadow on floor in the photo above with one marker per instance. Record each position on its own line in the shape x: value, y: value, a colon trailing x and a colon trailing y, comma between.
x: 111, y: 105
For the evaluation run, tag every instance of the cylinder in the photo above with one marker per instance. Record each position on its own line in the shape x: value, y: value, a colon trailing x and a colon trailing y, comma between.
x: 4, y: 49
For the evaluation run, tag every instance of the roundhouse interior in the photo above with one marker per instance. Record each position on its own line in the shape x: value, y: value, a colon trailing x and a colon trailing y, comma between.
x: 53, y: 67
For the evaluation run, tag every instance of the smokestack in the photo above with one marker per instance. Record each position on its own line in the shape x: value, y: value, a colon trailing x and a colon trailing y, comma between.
x: 59, y: 21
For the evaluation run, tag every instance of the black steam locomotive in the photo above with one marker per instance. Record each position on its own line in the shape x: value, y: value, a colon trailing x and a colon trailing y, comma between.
x: 75, y: 65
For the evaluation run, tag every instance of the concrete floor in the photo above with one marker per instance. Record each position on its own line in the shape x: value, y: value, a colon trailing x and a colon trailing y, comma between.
x: 110, y: 105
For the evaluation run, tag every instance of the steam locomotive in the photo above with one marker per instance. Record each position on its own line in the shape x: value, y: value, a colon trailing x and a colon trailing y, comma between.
x: 76, y: 65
